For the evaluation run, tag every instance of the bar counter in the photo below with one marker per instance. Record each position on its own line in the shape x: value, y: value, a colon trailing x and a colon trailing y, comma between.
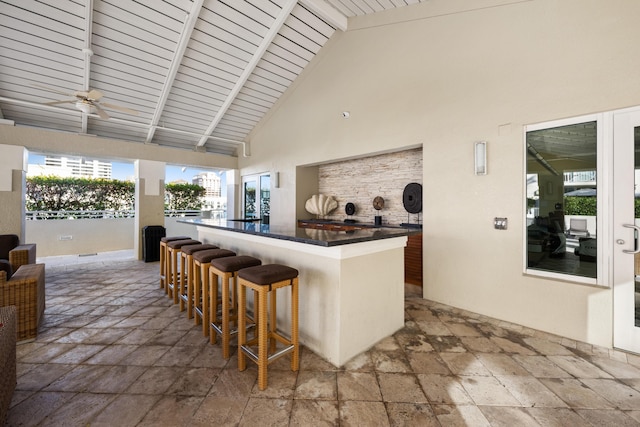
x: 311, y: 236
x: 351, y: 282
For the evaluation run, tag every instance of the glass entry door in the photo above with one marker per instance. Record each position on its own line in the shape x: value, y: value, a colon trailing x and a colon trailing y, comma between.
x: 626, y: 245
x: 256, y: 197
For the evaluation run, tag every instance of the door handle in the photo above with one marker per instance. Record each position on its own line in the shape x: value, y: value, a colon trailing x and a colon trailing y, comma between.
x: 635, y: 239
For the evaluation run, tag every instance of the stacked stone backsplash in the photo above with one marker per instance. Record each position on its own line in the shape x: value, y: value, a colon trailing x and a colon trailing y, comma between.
x: 360, y: 180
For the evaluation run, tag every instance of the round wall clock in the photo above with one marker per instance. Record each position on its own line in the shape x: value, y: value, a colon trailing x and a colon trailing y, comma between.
x: 378, y: 203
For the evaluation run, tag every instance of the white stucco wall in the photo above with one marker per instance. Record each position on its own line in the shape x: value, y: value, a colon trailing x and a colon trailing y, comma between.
x: 444, y: 75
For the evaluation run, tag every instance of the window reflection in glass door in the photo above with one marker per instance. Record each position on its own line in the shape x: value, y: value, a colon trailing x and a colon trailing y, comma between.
x: 265, y: 198
x: 249, y: 198
x: 561, y: 208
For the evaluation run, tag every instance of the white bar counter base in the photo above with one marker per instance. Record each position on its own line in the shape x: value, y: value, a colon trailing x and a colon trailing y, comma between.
x: 351, y: 295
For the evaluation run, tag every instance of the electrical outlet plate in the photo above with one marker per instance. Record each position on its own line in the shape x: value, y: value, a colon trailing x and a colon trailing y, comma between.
x: 500, y: 223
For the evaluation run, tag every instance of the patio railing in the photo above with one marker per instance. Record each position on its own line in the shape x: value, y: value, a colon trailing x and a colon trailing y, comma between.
x: 109, y: 214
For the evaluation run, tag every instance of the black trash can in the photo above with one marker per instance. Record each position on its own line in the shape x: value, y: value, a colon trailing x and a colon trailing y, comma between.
x: 151, y: 235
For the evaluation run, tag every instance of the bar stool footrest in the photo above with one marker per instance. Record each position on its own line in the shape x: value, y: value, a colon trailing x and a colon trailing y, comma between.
x: 278, y: 354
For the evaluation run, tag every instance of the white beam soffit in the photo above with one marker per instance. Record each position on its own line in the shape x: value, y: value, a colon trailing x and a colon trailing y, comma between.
x: 185, y: 36
x: 88, y: 32
x: 200, y: 73
x: 327, y: 12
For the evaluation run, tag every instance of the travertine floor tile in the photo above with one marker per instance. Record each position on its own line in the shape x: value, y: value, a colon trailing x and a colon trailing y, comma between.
x: 411, y: 414
x: 603, y: 417
x: 575, y: 394
x: 488, y: 391
x: 501, y: 364
x: 117, y: 351
x: 317, y: 385
x: 501, y: 416
x: 530, y: 392
x: 578, y: 367
x: 559, y: 417
x: 357, y: 413
x: 128, y: 409
x: 78, y: 410
x: 464, y: 364
x: 267, y: 412
x: 316, y: 412
x: 358, y: 386
x: 621, y: 395
x: 460, y: 416
x: 541, y: 367
x: 401, y: 388
x: 444, y: 389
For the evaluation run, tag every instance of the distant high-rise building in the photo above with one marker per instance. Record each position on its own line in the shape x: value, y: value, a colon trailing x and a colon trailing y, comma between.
x: 213, y: 199
x: 211, y: 182
x: 71, y: 167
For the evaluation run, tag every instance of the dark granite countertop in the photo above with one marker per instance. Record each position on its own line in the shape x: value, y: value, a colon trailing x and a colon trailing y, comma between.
x: 303, y: 235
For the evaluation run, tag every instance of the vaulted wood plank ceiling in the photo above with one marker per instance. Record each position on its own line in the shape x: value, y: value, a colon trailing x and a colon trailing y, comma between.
x: 190, y: 74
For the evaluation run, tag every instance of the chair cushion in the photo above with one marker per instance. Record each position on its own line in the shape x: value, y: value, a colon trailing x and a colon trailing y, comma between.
x: 7, y: 243
x: 5, y: 265
x: 207, y: 255
x: 268, y: 274
x: 172, y: 238
x: 235, y: 263
x: 177, y: 244
x: 190, y: 249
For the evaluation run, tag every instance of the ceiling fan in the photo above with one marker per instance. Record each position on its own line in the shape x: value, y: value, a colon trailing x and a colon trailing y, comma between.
x: 88, y: 102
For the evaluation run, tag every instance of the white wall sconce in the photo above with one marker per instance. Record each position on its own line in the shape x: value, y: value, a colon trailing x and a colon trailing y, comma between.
x: 276, y: 179
x: 480, y: 156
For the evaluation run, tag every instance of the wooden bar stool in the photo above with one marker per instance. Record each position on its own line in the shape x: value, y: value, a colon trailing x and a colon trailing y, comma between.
x: 200, y: 297
x: 163, y: 255
x: 186, y: 279
x: 172, y: 272
x: 263, y: 279
x: 226, y: 268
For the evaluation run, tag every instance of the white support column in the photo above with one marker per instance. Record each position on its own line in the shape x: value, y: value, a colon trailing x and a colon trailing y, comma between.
x: 233, y: 193
x: 13, y: 171
x: 149, y: 194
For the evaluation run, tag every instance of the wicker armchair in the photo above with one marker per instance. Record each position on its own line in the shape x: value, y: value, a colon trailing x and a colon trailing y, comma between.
x: 13, y: 254
x: 25, y: 290
x: 7, y: 359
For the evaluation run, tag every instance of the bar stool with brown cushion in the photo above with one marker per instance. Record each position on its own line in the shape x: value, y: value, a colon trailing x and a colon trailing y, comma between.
x: 163, y: 256
x: 264, y: 279
x: 226, y: 268
x: 201, y: 263
x: 186, y: 279
x: 172, y: 271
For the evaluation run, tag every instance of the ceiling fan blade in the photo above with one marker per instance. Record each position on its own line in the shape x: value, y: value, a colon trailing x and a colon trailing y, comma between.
x: 119, y: 108
x: 94, y: 94
x: 68, y: 101
x: 103, y: 114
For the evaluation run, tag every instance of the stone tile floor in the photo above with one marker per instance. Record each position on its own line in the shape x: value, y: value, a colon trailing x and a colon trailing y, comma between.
x: 114, y: 351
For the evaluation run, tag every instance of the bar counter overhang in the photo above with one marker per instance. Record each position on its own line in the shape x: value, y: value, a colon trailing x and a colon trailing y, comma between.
x: 351, y: 282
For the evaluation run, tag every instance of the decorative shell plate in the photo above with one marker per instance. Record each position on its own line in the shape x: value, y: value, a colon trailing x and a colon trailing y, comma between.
x: 321, y: 205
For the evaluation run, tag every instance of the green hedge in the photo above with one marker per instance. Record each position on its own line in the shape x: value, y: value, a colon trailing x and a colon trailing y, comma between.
x: 587, y: 206
x: 53, y: 193
x: 580, y: 206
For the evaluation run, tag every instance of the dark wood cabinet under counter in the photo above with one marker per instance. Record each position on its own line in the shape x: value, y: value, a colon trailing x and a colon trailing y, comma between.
x: 413, y: 260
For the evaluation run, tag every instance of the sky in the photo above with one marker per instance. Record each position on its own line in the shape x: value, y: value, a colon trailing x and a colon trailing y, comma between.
x: 124, y: 171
